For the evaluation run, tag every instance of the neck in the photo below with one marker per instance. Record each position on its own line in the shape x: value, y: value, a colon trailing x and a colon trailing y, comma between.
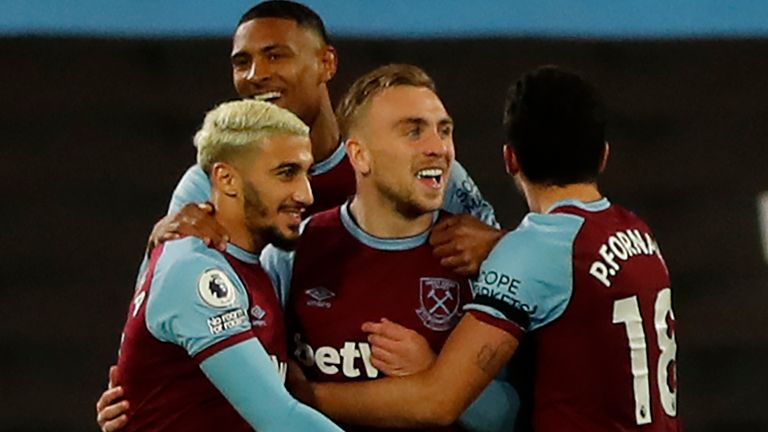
x: 541, y: 198
x: 379, y: 217
x: 324, y: 131
x: 231, y: 216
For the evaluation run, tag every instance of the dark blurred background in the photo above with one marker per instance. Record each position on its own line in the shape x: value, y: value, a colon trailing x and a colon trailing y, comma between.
x: 95, y: 131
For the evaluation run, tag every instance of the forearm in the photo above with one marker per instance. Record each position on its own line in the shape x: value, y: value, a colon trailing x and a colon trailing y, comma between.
x: 412, y: 401
x: 470, y: 359
x: 244, y: 374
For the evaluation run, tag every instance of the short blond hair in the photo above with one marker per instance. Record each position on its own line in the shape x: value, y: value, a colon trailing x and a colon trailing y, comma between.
x: 374, y: 82
x: 233, y: 127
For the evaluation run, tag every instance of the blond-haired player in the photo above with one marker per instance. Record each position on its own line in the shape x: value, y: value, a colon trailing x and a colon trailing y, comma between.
x: 204, y: 341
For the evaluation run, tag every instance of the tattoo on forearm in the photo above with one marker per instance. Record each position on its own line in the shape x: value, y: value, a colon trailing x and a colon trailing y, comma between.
x: 485, y: 357
x: 488, y: 356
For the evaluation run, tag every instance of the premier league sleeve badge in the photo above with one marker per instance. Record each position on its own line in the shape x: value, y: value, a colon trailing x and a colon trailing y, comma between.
x: 216, y: 289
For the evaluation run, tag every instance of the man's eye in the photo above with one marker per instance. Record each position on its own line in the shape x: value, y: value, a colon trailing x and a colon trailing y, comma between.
x: 446, y: 131
x: 239, y: 62
x: 414, y: 132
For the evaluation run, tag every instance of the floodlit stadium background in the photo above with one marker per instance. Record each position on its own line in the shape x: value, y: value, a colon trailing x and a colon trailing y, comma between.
x: 100, y: 100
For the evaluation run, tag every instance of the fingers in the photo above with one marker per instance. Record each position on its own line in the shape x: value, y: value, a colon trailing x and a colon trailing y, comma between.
x: 112, y: 376
x: 110, y: 414
x: 440, y: 236
x: 371, y: 327
x: 116, y: 424
x: 383, y: 355
x: 206, y: 207
x: 382, y: 342
x: 109, y: 397
x: 455, y: 261
x: 388, y: 329
x: 385, y: 367
x: 169, y: 236
x: 445, y: 250
x: 446, y: 222
x: 195, y: 220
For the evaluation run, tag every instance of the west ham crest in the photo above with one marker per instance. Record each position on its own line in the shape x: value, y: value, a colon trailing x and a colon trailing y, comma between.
x: 440, y: 302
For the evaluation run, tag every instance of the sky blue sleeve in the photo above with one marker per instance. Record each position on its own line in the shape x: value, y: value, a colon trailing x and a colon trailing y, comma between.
x: 494, y: 410
x: 463, y: 196
x: 194, y: 187
x: 244, y: 374
x: 527, y: 278
x: 196, y: 299
x: 278, y: 264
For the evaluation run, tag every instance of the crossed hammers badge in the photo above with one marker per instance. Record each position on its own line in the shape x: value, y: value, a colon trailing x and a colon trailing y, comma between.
x: 440, y: 300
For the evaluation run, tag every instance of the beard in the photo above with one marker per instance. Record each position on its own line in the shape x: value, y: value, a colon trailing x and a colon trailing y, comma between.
x: 255, y: 210
x: 405, y: 204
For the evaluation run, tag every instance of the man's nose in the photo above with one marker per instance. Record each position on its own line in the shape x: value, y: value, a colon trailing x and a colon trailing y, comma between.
x: 437, y: 144
x: 303, y: 193
x: 257, y: 71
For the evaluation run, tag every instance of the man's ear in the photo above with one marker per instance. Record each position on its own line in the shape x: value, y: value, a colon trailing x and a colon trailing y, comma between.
x: 358, y: 155
x: 510, y: 160
x: 329, y: 62
x: 606, y: 153
x: 225, y: 178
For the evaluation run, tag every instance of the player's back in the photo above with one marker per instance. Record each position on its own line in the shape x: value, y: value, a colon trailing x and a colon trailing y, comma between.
x: 608, y: 362
x: 343, y: 277
x: 162, y: 380
x: 586, y: 289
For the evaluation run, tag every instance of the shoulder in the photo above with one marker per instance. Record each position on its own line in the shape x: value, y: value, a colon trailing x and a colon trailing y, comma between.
x: 185, y: 266
x: 528, y: 275
x: 192, y: 290
x: 188, y: 254
x: 537, y: 236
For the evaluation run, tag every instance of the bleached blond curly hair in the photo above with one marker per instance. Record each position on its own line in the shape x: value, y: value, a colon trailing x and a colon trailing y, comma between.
x: 233, y: 127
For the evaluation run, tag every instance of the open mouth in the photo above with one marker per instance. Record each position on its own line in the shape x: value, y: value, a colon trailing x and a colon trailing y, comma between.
x: 431, y: 177
x: 294, y: 213
x: 268, y: 96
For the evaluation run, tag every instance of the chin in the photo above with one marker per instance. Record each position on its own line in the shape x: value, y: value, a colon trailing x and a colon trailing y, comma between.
x: 430, y: 204
x: 285, y: 239
x: 418, y: 208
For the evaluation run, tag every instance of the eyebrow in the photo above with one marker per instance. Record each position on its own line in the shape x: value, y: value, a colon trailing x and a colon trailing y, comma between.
x: 288, y: 165
x: 263, y: 50
x: 420, y: 121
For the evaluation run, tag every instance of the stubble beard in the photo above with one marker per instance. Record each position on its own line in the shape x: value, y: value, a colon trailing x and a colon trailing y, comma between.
x: 405, y: 203
x: 255, y: 210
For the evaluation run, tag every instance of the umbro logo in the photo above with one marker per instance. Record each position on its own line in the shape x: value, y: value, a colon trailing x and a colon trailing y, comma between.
x: 319, y: 297
x: 257, y: 315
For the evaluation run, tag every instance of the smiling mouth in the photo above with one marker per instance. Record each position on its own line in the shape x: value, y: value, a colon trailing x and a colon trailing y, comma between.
x: 432, y: 177
x: 268, y: 96
x: 293, y: 212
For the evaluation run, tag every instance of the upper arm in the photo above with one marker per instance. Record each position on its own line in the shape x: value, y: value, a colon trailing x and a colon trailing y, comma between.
x: 197, y: 302
x: 278, y: 264
x: 526, y: 282
x: 194, y: 187
x: 463, y: 196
